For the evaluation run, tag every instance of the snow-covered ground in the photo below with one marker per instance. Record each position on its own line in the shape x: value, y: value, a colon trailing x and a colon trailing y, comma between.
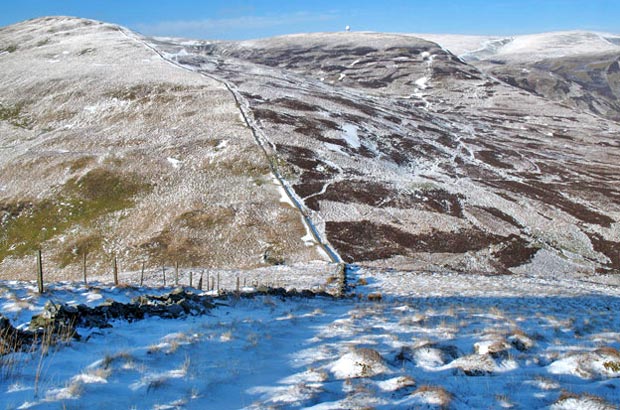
x: 527, y: 47
x: 516, y: 346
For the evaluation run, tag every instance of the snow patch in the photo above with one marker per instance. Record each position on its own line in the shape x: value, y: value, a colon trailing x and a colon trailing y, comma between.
x: 422, y: 83
x: 334, y: 148
x: 89, y: 378
x: 176, y: 163
x: 359, y: 363
x: 350, y: 135
x: 284, y: 197
x: 395, y: 383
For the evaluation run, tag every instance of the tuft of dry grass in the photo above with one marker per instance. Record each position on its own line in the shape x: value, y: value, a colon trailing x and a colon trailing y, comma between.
x: 546, y: 383
x: 109, y: 360
x: 608, y: 351
x: 436, y: 395
x: 331, y: 280
x: 75, y: 389
x: 80, y: 246
x: 569, y: 400
x: 504, y: 401
x: 155, y: 348
x: 612, y: 366
x: 9, y: 363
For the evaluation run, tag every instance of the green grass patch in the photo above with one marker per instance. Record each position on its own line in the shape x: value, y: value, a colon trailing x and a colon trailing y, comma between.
x: 11, y: 48
x: 81, y: 201
x: 14, y: 114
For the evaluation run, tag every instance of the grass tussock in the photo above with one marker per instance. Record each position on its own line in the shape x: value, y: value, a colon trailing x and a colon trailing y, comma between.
x: 569, y: 400
x: 612, y: 366
x: 109, y: 360
x: 25, y: 226
x: 436, y: 395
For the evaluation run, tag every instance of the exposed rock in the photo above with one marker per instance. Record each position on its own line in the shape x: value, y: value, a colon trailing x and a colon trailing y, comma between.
x: 174, y: 305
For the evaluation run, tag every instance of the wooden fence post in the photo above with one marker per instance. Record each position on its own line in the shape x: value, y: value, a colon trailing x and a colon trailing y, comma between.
x: 115, y: 266
x: 163, y: 271
x: 176, y: 274
x: 342, y: 279
x: 39, y: 272
x: 200, y: 282
x: 218, y: 282
x: 84, y: 269
x: 238, y: 287
x: 191, y: 279
x: 142, y: 275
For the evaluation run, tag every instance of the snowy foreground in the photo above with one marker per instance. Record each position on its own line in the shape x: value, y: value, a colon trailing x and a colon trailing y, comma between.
x: 528, y: 343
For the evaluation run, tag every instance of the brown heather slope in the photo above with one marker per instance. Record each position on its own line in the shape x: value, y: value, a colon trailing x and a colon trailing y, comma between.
x: 106, y: 148
x: 407, y: 156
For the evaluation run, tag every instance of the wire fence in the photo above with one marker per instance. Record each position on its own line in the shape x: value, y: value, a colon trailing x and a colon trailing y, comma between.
x: 313, y: 276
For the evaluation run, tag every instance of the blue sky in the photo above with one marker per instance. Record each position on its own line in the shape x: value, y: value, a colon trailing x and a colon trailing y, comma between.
x: 236, y: 19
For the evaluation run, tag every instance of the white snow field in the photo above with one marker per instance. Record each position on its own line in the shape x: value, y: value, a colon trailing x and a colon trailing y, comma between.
x: 527, y: 47
x: 504, y: 343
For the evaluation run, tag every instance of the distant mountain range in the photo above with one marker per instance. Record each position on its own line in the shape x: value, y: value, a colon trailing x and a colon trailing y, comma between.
x: 577, y: 68
x: 456, y: 153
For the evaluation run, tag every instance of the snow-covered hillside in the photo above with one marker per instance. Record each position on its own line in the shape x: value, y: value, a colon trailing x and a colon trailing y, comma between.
x: 405, y: 155
x: 529, y: 47
x: 496, y: 347
x: 577, y: 68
